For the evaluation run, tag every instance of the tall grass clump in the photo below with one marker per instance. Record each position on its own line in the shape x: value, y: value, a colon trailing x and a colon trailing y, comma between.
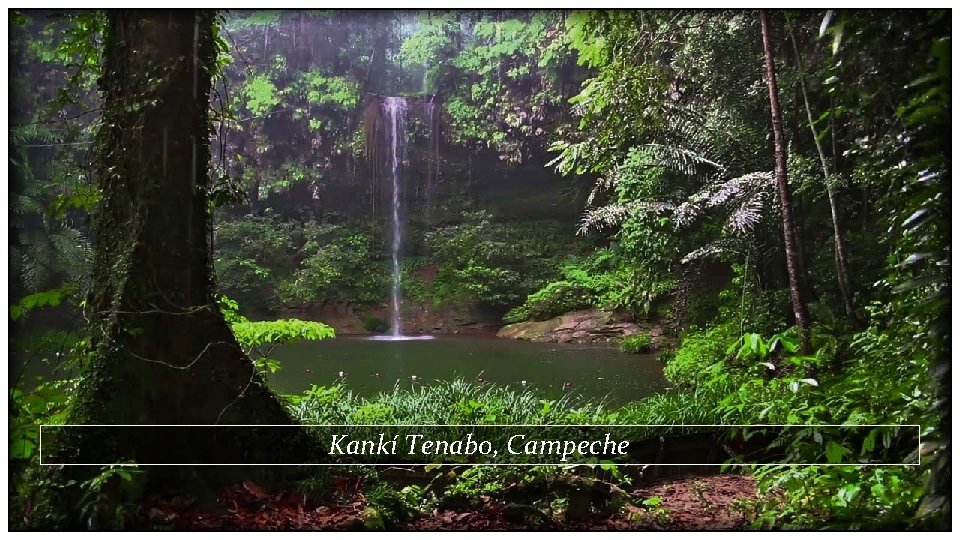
x: 457, y: 401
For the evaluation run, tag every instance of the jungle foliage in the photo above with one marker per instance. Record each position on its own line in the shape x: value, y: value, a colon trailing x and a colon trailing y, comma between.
x: 656, y: 123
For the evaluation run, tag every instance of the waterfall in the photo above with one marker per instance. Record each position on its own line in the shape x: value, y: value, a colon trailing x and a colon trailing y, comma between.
x: 433, y: 159
x: 395, y: 109
x: 386, y: 144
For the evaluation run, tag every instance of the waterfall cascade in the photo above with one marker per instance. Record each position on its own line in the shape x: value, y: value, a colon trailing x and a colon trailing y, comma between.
x: 394, y: 112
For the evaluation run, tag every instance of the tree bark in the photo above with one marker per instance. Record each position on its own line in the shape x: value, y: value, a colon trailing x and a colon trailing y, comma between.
x: 783, y: 188
x: 160, y: 350
x: 839, y: 252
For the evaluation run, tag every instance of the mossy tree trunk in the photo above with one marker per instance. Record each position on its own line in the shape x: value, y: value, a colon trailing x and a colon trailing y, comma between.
x: 161, y: 352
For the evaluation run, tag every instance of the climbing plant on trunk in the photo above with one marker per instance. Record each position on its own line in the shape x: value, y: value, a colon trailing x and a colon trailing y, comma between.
x: 160, y: 351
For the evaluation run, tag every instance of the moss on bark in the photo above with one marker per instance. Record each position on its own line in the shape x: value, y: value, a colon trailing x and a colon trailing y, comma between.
x: 160, y: 351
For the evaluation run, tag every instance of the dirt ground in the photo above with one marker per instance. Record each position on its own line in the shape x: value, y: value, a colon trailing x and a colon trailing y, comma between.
x: 715, y: 502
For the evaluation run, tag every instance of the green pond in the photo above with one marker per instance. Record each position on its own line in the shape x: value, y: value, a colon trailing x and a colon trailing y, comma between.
x: 369, y: 367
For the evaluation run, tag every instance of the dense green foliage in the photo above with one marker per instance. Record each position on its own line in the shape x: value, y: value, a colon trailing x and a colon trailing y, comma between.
x: 636, y: 343
x: 503, y: 83
x: 655, y: 124
x: 270, y: 263
x: 484, y: 262
x: 604, y: 279
x: 450, y: 402
x: 258, y: 338
x: 764, y: 381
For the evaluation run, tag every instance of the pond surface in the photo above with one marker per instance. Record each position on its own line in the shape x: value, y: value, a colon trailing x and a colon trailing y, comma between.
x: 370, y: 367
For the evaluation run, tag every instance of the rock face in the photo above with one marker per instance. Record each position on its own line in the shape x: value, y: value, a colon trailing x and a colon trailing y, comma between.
x: 416, y: 319
x: 585, y: 326
x: 342, y: 318
x: 449, y: 320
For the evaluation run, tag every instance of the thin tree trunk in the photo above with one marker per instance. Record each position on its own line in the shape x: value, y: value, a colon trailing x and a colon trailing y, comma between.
x: 474, y: 199
x: 255, y: 189
x: 839, y: 252
x: 780, y: 153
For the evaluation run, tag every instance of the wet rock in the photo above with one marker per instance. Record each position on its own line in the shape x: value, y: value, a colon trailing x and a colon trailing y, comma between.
x: 422, y: 319
x: 585, y: 326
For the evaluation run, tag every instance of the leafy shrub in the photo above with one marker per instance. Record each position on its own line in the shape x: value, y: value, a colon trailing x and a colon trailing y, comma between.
x: 753, y: 346
x: 411, y: 284
x: 320, y: 89
x: 51, y: 298
x: 604, y: 280
x: 666, y: 356
x: 337, y: 265
x: 879, y: 496
x: 251, y: 252
x: 46, y: 404
x: 478, y: 481
x: 491, y: 264
x: 769, y: 310
x: 556, y: 298
x: 258, y: 338
x: 110, y: 498
x: 396, y: 507
x: 696, y: 352
x: 517, y: 314
x: 733, y: 385
x: 267, y: 262
x: 230, y: 309
x: 251, y: 334
x: 260, y: 94
x: 374, y: 324
x: 577, y: 289
x: 637, y: 343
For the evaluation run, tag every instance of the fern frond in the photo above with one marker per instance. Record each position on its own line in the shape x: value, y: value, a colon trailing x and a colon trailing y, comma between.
x: 748, y: 194
x: 75, y: 254
x: 35, y: 272
x: 604, y: 183
x: 681, y: 159
x: 746, y: 216
x: 612, y: 215
x: 740, y: 187
x: 717, y: 247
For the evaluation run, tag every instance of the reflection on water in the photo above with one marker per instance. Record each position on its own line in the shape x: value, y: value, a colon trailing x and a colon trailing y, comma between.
x: 369, y: 366
x: 390, y: 337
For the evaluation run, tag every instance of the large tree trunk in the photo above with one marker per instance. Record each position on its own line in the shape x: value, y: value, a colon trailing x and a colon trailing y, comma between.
x: 161, y: 352
x: 780, y: 153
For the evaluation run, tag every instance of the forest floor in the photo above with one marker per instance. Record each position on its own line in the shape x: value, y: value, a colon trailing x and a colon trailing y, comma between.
x: 715, y: 502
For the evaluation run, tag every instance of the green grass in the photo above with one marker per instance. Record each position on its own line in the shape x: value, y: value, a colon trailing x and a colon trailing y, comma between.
x: 446, y: 402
